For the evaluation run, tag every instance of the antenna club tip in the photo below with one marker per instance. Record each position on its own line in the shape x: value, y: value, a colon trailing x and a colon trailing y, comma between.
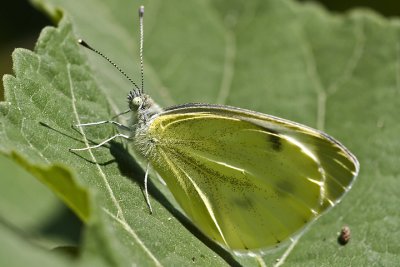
x: 141, y: 11
x: 83, y: 43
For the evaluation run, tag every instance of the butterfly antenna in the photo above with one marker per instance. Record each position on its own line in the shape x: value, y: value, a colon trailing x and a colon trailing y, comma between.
x: 141, y: 14
x: 83, y: 43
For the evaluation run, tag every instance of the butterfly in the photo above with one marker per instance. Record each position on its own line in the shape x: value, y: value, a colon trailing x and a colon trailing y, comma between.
x: 247, y: 180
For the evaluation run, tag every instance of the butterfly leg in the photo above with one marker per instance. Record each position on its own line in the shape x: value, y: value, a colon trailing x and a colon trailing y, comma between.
x: 119, y: 125
x: 102, y: 143
x: 146, y: 193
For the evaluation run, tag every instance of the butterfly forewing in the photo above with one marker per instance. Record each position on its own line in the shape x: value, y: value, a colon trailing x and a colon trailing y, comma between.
x: 247, y: 180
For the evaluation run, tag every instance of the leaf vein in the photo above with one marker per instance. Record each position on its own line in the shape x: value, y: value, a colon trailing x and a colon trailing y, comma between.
x: 353, y: 61
x: 127, y: 228
x: 102, y: 174
x: 311, y: 69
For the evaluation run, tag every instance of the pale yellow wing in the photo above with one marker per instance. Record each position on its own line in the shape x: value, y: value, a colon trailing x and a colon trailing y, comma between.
x: 247, y: 180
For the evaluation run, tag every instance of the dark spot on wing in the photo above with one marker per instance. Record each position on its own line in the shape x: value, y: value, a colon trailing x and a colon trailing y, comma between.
x: 274, y: 139
x: 275, y: 142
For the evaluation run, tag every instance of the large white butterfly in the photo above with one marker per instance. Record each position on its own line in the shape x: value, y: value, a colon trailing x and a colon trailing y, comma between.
x: 247, y: 180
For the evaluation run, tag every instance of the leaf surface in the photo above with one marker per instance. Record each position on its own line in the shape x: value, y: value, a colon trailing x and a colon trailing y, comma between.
x: 338, y: 73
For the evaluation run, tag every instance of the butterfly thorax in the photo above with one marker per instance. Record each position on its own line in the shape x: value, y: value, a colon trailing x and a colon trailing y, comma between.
x: 145, y: 110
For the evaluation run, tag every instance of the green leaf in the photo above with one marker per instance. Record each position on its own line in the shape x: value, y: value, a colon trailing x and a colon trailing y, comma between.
x: 38, y: 215
x: 53, y: 89
x: 339, y: 73
x: 15, y: 251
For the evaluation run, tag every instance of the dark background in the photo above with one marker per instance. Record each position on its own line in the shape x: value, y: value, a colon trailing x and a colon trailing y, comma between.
x: 21, y: 23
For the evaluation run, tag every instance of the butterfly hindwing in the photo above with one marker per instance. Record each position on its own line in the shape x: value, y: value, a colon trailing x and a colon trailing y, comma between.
x: 247, y: 180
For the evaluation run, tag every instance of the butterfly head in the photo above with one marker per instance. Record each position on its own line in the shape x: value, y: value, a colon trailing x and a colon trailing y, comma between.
x: 142, y: 104
x: 135, y: 100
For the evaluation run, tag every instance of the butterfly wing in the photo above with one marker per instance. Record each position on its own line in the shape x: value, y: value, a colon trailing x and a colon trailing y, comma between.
x: 246, y: 179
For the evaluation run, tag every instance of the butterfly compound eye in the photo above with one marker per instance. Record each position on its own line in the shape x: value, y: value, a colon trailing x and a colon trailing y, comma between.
x: 137, y: 101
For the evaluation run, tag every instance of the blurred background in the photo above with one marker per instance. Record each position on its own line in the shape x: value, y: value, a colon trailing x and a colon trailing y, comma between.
x: 21, y: 23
